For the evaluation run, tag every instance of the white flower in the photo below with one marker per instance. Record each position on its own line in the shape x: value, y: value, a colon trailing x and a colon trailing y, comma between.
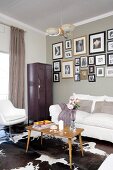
x: 70, y: 106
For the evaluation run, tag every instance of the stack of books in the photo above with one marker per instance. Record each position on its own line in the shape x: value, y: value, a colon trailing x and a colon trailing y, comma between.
x: 42, y: 124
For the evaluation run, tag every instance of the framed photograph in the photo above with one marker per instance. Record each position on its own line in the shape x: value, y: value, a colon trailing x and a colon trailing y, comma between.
x: 110, y: 59
x: 100, y: 59
x: 110, y: 34
x: 91, y: 69
x: 57, y: 50
x: 91, y: 78
x: 80, y: 45
x: 68, y: 54
x: 83, y: 61
x: 77, y: 69
x: 109, y: 71
x: 56, y: 77
x: 97, y: 43
x: 68, y: 44
x: 100, y: 71
x: 77, y: 61
x: 67, y: 69
x: 57, y: 66
x: 110, y: 46
x: 83, y: 74
x: 91, y: 60
x: 77, y: 77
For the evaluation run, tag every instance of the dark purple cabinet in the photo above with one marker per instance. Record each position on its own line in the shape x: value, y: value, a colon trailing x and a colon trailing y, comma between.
x: 39, y: 82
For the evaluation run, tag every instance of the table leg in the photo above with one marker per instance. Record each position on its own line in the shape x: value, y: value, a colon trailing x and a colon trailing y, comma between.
x: 70, y: 152
x: 41, y: 137
x: 29, y: 134
x: 81, y: 147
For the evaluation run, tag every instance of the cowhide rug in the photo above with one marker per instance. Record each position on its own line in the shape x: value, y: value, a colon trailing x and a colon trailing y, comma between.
x: 52, y: 155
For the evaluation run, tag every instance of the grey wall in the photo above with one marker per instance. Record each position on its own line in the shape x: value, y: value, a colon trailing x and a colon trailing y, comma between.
x: 63, y: 89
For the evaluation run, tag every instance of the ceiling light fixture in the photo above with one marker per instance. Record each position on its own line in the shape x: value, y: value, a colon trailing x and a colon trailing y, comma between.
x: 65, y: 31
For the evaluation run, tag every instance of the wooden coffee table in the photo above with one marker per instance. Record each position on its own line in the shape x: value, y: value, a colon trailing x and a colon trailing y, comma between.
x: 66, y: 133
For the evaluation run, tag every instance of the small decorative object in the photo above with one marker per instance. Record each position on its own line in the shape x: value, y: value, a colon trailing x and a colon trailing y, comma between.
x: 57, y: 50
x: 73, y: 105
x: 80, y: 45
x: 57, y: 66
x: 61, y: 125
x: 97, y: 43
x: 110, y: 34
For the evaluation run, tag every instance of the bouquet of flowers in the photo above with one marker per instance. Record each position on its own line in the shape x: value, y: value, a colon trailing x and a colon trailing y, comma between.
x: 73, y: 103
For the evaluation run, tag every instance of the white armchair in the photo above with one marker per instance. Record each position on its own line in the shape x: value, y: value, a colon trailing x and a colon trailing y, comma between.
x: 9, y: 115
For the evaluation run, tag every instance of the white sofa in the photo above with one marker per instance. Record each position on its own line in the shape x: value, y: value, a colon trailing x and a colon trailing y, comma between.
x: 95, y: 116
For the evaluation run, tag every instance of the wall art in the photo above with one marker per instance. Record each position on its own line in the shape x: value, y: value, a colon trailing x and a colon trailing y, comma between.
x: 57, y: 50
x: 80, y: 45
x: 67, y: 69
x: 97, y: 43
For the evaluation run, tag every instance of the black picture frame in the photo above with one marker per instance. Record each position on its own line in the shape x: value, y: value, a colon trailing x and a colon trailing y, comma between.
x: 110, y: 34
x: 77, y: 77
x: 91, y: 69
x: 110, y: 59
x: 91, y: 60
x: 97, y: 43
x: 56, y: 77
x: 57, y: 66
x: 109, y: 46
x: 57, y: 50
x: 68, y: 44
x: 77, y: 61
x: 91, y: 78
x: 68, y: 54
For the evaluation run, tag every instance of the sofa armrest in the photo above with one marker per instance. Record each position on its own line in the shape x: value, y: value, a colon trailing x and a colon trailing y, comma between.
x: 54, y: 112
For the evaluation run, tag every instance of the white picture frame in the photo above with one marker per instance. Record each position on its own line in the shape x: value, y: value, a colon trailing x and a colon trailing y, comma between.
x: 100, y: 71
x: 100, y: 59
x: 80, y: 45
x: 67, y: 69
x: 109, y: 71
x: 83, y: 61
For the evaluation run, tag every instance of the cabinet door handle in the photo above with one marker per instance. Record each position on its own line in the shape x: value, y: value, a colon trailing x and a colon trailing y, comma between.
x: 38, y: 88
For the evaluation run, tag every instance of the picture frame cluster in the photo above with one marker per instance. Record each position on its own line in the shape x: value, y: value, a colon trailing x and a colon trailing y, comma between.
x: 71, y: 59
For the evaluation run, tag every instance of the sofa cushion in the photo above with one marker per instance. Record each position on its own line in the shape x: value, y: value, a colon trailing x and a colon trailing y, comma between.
x: 103, y: 107
x: 81, y: 96
x: 81, y: 115
x: 85, y: 105
x: 100, y: 120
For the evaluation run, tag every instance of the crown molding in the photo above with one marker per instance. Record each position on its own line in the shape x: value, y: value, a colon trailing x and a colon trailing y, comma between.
x: 14, y: 21
x: 94, y: 18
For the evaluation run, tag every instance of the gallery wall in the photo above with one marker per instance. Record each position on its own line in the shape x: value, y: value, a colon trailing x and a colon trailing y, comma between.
x: 103, y: 85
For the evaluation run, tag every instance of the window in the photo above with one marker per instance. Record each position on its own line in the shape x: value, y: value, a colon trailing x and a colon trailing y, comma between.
x: 4, y: 75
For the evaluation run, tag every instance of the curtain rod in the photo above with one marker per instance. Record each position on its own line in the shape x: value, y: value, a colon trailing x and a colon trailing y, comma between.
x: 9, y: 25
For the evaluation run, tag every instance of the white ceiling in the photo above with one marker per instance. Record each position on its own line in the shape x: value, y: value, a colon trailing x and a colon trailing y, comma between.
x: 42, y: 14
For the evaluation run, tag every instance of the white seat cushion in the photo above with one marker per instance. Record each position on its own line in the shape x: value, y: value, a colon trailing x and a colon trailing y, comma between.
x: 99, y: 119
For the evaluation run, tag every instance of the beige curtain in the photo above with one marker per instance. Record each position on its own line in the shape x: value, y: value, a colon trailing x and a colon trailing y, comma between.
x: 17, y: 67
